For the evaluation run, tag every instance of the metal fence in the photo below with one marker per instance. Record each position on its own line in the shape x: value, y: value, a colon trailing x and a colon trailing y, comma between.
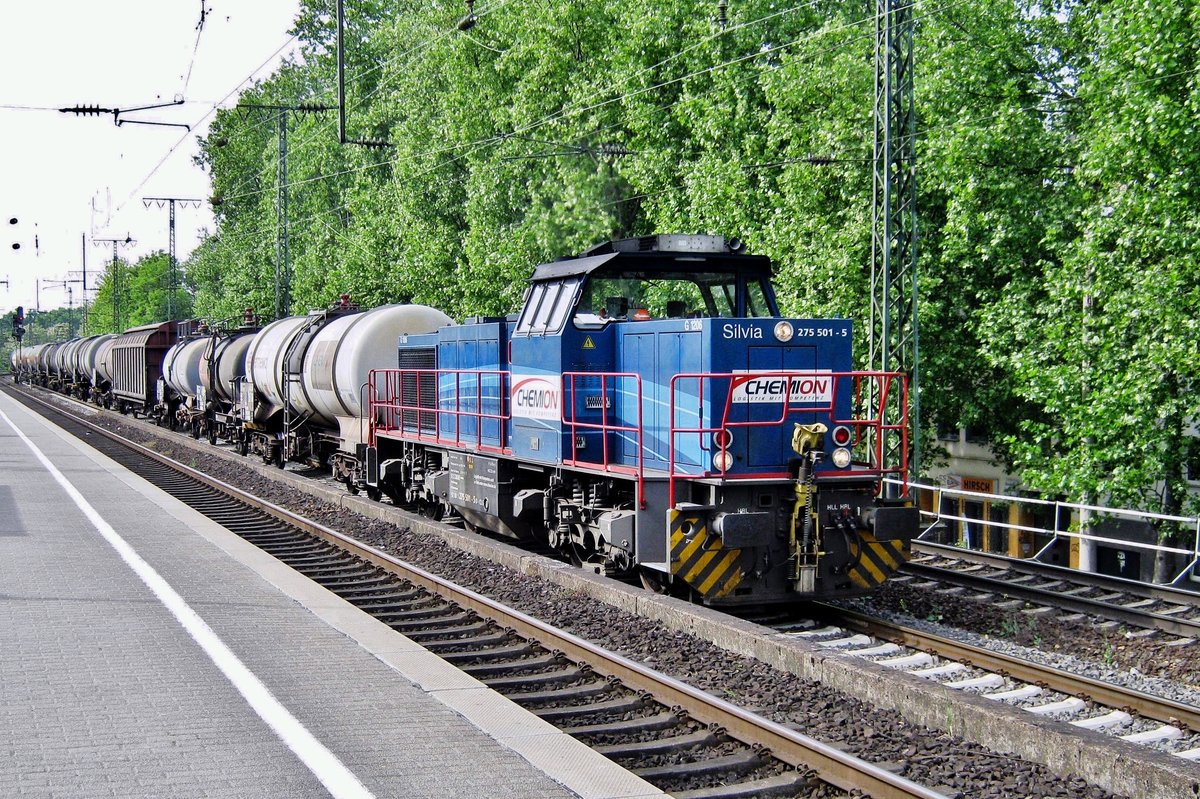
x: 1071, y: 520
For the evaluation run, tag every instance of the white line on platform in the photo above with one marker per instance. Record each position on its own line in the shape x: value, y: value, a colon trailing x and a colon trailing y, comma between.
x: 325, y: 765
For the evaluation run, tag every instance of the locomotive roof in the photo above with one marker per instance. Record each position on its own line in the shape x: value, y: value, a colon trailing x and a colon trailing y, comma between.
x: 654, y: 261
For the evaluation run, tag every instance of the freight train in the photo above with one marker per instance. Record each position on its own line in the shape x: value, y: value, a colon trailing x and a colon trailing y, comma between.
x: 648, y: 411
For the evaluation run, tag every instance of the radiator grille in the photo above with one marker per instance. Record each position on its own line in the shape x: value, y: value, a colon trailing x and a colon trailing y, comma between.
x: 420, y: 390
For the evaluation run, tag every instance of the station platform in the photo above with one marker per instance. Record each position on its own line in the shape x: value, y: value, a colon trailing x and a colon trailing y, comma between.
x: 146, y: 651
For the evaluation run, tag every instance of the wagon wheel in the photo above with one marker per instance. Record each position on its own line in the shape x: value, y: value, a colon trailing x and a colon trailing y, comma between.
x: 374, y: 494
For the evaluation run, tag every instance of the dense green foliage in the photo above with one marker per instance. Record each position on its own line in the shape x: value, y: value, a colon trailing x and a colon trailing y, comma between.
x: 1057, y: 160
x: 138, y: 293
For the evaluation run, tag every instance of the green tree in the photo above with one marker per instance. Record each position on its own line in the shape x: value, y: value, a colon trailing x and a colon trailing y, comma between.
x: 1106, y: 341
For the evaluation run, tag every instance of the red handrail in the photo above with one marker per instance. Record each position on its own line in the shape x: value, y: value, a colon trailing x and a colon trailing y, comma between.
x: 605, y: 427
x: 395, y: 404
x: 875, y: 423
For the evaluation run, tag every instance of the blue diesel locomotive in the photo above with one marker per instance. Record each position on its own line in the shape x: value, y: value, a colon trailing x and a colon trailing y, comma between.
x: 648, y: 409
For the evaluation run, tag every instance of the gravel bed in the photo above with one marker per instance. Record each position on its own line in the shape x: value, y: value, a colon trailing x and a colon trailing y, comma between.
x: 949, y: 764
x: 1074, y: 645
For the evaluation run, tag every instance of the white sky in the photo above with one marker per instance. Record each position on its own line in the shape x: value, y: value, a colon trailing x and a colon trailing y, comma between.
x: 54, y: 166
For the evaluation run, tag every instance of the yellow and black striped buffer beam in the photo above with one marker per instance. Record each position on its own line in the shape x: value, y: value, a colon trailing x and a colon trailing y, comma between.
x: 699, y: 557
x: 873, y: 561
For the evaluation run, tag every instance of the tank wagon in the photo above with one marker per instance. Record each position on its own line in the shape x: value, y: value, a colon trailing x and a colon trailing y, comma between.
x: 650, y: 409
x: 302, y: 394
x: 197, y: 384
x: 27, y: 360
x: 78, y: 358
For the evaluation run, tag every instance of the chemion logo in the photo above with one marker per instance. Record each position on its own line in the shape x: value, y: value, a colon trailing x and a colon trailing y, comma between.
x: 800, y: 389
x: 536, y: 397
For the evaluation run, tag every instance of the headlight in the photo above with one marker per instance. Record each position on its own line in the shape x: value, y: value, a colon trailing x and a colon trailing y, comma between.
x: 722, y: 461
x: 841, y: 457
x: 784, y: 331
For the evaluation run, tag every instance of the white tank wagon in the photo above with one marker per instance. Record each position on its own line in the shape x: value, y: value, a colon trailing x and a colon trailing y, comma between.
x: 66, y: 358
x: 78, y: 359
x: 62, y: 356
x: 308, y: 376
x: 181, y: 394
x: 89, y: 357
x: 181, y: 366
x: 223, y: 364
x: 58, y: 364
x: 102, y: 369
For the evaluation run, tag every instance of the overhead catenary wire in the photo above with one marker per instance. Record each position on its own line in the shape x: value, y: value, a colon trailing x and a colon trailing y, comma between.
x: 212, y: 110
x: 420, y: 48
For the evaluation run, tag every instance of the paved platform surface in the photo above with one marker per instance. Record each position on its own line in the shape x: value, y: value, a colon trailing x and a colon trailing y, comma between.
x: 148, y: 652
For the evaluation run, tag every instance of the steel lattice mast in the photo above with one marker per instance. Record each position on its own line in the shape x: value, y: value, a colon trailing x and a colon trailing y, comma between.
x: 283, y: 266
x: 893, y: 339
x: 170, y: 202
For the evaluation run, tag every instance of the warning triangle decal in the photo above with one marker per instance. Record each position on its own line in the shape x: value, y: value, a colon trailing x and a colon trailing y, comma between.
x: 588, y: 344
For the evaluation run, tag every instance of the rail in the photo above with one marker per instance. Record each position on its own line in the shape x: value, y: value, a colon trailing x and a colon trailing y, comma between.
x: 1158, y: 708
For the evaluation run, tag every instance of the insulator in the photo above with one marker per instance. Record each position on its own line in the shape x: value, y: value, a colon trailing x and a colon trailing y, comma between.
x: 722, y: 16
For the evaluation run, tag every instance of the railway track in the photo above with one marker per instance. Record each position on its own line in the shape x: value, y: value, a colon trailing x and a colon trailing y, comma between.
x: 685, y: 741
x: 1149, y: 607
x: 1131, y: 715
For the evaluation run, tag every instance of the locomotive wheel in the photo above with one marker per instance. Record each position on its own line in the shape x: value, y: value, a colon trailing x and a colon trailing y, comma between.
x: 653, y: 581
